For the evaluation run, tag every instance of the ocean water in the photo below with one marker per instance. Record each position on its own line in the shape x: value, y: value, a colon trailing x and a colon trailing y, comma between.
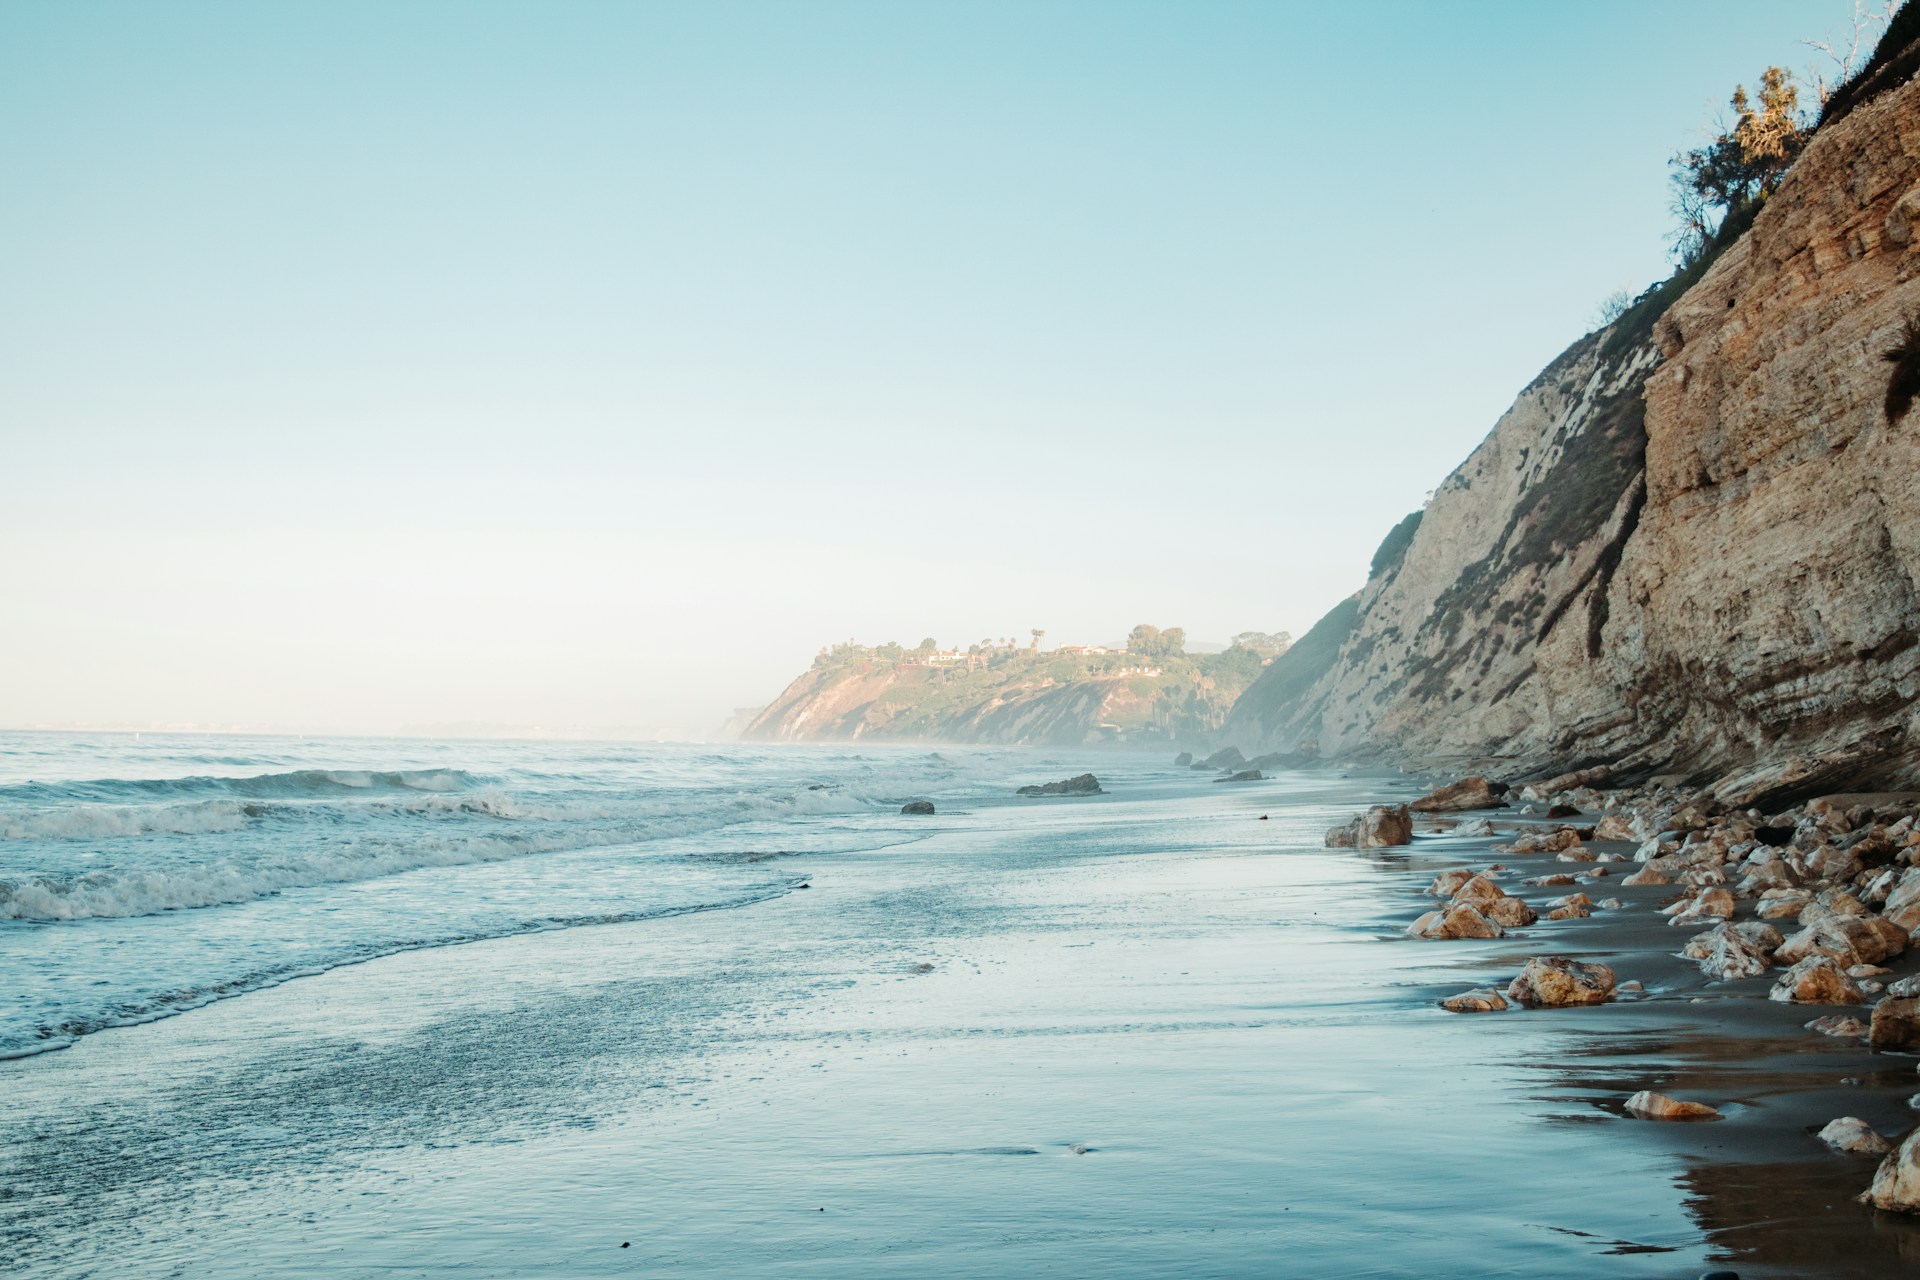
x: 359, y: 1008
x: 140, y: 877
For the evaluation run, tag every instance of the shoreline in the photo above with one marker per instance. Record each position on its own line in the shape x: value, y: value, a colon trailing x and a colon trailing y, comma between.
x: 1785, y: 936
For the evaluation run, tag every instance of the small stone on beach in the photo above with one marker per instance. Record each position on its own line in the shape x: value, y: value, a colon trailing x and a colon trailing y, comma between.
x: 1649, y: 1105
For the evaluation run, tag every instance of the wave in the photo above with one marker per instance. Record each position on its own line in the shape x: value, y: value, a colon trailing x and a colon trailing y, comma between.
x: 101, y: 822
x: 167, y: 1004
x: 297, y: 783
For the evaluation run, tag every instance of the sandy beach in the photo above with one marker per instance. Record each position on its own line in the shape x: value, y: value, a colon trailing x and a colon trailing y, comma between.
x: 1159, y: 1030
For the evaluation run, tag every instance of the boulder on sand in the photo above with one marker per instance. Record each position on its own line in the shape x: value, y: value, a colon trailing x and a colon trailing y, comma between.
x: 1456, y: 920
x: 1556, y: 981
x: 917, y: 806
x: 1896, y: 1184
x: 1380, y: 827
x: 1729, y: 951
x: 1816, y: 980
x: 1468, y: 793
x: 1896, y: 1025
x: 1851, y: 1136
x: 1649, y: 1105
x: 1084, y: 785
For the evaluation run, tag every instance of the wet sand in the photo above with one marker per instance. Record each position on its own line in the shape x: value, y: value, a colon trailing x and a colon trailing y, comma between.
x: 1145, y: 1034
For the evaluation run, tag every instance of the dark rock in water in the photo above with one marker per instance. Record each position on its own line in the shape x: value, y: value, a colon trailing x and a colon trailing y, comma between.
x: 1563, y: 811
x: 1182, y: 760
x: 1263, y: 817
x: 1245, y: 775
x: 1198, y: 764
x: 1084, y: 785
x: 1225, y: 758
x: 917, y: 806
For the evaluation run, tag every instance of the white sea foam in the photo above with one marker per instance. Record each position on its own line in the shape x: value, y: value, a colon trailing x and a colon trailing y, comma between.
x: 105, y: 821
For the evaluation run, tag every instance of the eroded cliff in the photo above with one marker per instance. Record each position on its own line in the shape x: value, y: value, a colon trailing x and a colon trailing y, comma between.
x: 1690, y: 554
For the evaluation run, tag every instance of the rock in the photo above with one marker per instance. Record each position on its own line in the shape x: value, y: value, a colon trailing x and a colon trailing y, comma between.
x: 1849, y: 1135
x: 1245, y: 775
x: 1544, y: 842
x: 1896, y: 1184
x: 1568, y: 781
x: 1563, y: 811
x: 1903, y: 903
x: 1725, y: 953
x: 1712, y: 903
x: 1851, y: 940
x: 1905, y: 986
x: 1509, y: 913
x: 1816, y: 980
x: 1575, y: 854
x: 1468, y: 793
x: 1613, y: 827
x: 1478, y: 1000
x: 1646, y: 875
x: 1556, y: 981
x: 917, y: 806
x: 1782, y: 904
x: 1896, y: 1025
x: 1649, y: 1105
x: 1477, y: 827
x: 1380, y: 827
x: 1454, y: 921
x: 1448, y: 883
x: 1559, y: 877
x: 1084, y: 785
x: 1182, y: 760
x: 1842, y: 1026
x: 1225, y: 758
x: 1477, y: 891
x: 1612, y: 904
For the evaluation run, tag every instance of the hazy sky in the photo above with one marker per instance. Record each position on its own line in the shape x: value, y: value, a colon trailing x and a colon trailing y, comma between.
x: 590, y: 365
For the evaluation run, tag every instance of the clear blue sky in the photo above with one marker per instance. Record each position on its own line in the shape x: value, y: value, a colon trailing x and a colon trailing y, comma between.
x: 591, y: 364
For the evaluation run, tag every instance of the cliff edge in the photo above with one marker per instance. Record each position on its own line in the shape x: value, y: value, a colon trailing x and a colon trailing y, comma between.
x: 1685, y: 551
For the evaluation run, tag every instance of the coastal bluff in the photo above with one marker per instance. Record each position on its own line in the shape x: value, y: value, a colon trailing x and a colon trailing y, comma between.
x: 1690, y: 547
x: 1150, y: 691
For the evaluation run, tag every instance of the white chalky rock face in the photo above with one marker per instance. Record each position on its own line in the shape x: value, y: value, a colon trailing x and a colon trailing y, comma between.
x: 1649, y: 1105
x: 1850, y: 1135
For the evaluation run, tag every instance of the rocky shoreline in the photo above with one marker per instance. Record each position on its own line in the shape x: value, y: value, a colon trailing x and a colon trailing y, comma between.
x: 1819, y: 901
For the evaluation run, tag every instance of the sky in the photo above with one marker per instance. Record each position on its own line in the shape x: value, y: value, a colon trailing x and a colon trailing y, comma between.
x: 584, y: 367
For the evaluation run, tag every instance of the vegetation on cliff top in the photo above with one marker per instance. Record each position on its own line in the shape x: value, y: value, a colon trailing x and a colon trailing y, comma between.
x: 1150, y: 688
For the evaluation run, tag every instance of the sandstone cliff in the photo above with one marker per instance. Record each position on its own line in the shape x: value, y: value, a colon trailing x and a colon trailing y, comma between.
x: 1690, y: 553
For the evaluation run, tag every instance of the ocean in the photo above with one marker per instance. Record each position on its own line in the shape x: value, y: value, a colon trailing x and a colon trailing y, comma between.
x: 475, y: 1009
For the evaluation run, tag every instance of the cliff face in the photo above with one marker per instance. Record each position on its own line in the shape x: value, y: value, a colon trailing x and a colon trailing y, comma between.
x: 1690, y: 555
x: 1019, y: 701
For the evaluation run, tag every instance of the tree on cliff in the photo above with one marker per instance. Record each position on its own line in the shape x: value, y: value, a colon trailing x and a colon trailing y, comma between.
x: 1146, y: 641
x: 1739, y: 168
